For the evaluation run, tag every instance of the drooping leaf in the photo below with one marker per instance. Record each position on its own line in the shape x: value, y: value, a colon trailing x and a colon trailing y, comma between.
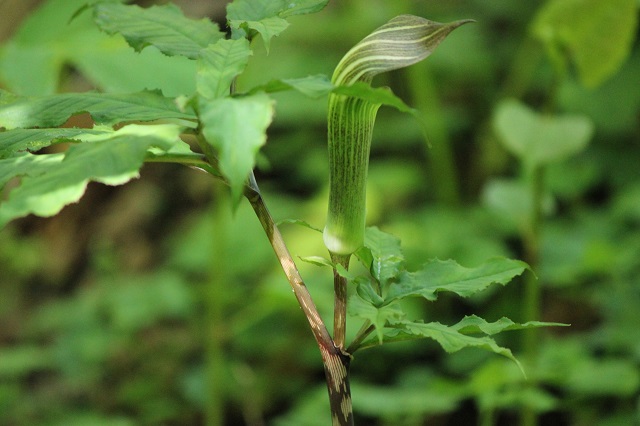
x: 236, y: 128
x: 597, y: 34
x: 60, y: 180
x: 105, y: 108
x: 219, y: 64
x: 539, y: 139
x: 164, y: 27
x: 437, y: 275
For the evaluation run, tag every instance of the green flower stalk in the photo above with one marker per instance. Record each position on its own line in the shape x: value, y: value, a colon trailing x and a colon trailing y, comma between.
x: 403, y: 41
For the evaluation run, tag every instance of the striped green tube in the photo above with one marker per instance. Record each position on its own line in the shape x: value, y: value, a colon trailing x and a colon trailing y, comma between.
x: 403, y: 41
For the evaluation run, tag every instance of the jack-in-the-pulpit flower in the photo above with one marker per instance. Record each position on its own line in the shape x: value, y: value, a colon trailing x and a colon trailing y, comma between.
x: 403, y: 41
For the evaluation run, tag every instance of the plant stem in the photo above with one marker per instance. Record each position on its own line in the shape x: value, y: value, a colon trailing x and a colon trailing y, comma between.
x: 336, y: 361
x: 366, y: 329
x: 532, y: 296
x: 215, y: 317
x: 340, y: 300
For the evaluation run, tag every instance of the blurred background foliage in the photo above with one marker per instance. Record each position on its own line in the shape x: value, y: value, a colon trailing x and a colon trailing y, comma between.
x: 150, y: 304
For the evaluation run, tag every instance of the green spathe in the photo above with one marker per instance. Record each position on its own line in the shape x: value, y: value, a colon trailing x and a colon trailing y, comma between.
x: 403, y: 41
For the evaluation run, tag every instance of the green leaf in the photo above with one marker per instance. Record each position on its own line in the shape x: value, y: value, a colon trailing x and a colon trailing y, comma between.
x: 316, y: 260
x: 597, y: 34
x: 236, y: 128
x: 377, y: 315
x: 448, y: 337
x: 475, y: 325
x: 539, y: 139
x: 164, y: 27
x: 437, y: 275
x: 105, y: 108
x: 34, y: 59
x: 219, y: 64
x: 314, y: 86
x: 267, y: 28
x: 387, y: 258
x: 266, y: 16
x: 256, y: 10
x: 300, y: 223
x: 33, y: 140
x: 59, y: 181
x: 378, y: 95
x: 24, y: 164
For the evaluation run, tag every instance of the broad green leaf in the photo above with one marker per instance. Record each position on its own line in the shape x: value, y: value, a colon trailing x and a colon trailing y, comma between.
x: 33, y: 140
x: 33, y: 60
x: 256, y: 10
x: 301, y: 7
x: 236, y: 128
x: 60, y: 182
x: 597, y: 34
x: 105, y: 108
x: 387, y: 257
x: 314, y: 86
x: 219, y: 64
x: 475, y: 325
x: 449, y: 338
x: 538, y: 139
x: 266, y: 16
x: 437, y: 275
x: 379, y: 316
x: 164, y: 27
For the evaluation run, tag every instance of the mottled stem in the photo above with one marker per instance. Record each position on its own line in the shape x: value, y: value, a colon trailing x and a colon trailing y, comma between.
x: 335, y: 360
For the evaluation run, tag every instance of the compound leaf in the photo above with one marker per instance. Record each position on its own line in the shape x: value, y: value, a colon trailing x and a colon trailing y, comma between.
x: 164, y: 27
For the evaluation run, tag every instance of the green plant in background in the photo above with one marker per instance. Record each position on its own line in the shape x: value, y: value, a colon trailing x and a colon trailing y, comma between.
x: 228, y: 124
x: 538, y: 140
